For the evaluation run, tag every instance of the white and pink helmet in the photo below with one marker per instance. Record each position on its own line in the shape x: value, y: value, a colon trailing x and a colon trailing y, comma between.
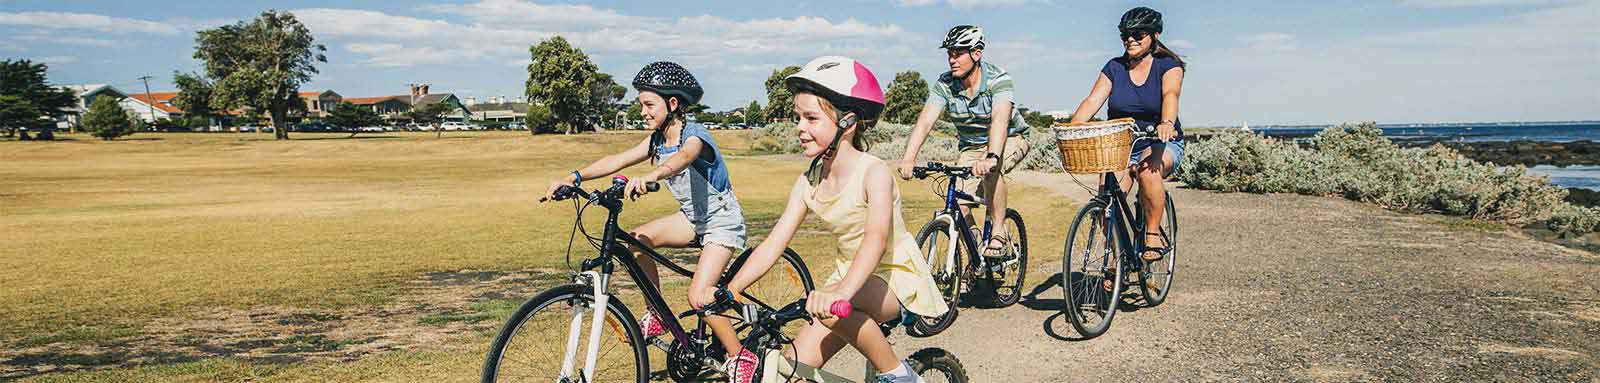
x: 843, y: 81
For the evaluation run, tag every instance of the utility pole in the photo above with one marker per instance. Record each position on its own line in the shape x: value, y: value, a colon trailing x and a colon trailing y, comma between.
x: 149, y: 101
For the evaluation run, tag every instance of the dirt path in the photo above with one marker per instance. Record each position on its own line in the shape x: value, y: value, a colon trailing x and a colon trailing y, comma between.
x: 1333, y: 291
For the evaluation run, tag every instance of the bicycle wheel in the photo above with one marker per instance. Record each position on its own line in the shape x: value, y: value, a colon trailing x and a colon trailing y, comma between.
x: 786, y: 281
x: 1158, y: 275
x: 937, y: 365
x: 1012, y: 267
x: 533, y: 345
x: 944, y: 261
x: 1089, y: 255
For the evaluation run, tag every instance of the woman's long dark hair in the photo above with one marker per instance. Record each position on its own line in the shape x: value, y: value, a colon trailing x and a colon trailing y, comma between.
x: 1162, y: 50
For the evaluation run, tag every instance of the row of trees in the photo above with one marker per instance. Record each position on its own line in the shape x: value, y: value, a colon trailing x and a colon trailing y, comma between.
x: 27, y: 100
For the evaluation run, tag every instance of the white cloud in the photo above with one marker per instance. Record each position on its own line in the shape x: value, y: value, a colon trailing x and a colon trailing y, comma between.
x: 1270, y: 42
x: 69, y: 40
x: 394, y: 40
x: 1470, y: 3
x: 85, y: 21
x: 56, y: 60
x: 1179, y: 44
x: 519, y: 13
x: 966, y: 4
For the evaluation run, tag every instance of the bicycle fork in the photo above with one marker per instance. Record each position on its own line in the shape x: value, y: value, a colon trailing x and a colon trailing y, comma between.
x: 592, y: 352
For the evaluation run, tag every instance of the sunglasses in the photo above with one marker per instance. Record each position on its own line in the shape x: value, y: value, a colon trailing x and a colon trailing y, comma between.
x: 1136, y: 35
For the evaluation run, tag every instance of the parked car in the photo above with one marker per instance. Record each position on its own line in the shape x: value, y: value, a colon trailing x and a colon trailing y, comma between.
x: 314, y: 126
x: 453, y: 125
x: 516, y: 126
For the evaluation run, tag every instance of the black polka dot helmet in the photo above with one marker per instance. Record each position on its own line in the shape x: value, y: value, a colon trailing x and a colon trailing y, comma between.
x: 669, y: 79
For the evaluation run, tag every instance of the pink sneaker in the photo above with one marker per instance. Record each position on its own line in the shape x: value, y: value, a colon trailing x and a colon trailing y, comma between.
x: 652, y: 325
x: 743, y: 368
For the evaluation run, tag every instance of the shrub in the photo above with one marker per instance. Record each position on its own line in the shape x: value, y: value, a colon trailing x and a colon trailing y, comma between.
x: 1355, y: 161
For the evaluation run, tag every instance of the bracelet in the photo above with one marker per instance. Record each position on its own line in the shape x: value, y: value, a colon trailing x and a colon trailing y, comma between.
x: 577, y: 179
x: 996, y: 157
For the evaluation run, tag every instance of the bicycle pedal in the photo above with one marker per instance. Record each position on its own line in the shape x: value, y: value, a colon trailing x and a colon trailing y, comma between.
x: 659, y: 343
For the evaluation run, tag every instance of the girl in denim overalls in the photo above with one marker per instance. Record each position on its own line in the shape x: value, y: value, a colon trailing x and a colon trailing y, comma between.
x: 688, y: 162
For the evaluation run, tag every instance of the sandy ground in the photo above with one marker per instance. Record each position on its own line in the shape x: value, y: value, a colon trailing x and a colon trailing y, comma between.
x: 1294, y: 288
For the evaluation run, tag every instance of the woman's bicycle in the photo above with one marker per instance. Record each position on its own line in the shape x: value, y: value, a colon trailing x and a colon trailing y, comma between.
x: 1101, y: 243
x: 582, y: 332
x: 768, y: 336
x: 944, y: 237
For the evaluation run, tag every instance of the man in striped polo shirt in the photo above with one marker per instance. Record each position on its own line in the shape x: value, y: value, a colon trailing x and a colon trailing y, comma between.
x: 973, y: 92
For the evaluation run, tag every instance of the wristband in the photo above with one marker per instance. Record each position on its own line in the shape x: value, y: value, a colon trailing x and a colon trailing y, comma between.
x: 996, y: 157
x: 577, y: 179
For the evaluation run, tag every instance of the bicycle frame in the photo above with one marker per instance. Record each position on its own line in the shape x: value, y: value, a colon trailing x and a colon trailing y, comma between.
x: 615, y: 247
x: 1117, y: 202
x: 959, y: 223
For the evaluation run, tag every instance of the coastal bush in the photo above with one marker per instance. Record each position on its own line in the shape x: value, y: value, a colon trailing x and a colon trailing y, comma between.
x: 1357, y: 162
x: 1575, y: 219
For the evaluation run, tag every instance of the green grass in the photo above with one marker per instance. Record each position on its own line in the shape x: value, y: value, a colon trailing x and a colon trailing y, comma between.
x: 104, y: 237
x: 498, y: 310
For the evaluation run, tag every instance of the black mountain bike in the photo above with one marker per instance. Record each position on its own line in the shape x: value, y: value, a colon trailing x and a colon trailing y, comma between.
x: 769, y: 334
x: 582, y: 332
x: 1105, y: 243
x: 1002, y: 273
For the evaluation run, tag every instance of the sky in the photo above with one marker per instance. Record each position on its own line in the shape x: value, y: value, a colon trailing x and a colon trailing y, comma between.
x: 1261, y: 62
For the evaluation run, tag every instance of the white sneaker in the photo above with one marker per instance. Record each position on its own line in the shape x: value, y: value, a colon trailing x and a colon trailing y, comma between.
x: 909, y: 377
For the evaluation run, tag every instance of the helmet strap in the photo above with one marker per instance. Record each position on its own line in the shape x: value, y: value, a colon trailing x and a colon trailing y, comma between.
x: 814, y: 173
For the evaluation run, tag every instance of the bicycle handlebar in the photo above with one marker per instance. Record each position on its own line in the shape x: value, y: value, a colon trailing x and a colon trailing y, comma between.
x: 618, y: 183
x: 935, y: 167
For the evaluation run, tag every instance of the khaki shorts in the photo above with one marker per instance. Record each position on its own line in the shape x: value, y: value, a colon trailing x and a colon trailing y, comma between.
x: 1016, y: 150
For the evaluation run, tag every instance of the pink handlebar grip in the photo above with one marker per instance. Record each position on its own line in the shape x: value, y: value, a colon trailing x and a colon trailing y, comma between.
x: 840, y: 308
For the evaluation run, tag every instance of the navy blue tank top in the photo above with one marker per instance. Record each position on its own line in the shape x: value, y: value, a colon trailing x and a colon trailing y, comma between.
x: 1142, y: 102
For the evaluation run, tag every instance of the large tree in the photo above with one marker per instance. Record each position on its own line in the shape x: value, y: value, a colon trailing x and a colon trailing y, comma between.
x: 604, y: 92
x: 17, y: 112
x: 780, y: 103
x: 905, y: 98
x: 26, y: 81
x: 194, y: 95
x: 260, y: 64
x: 753, y: 115
x: 561, y: 78
x: 106, y: 118
x: 352, y: 117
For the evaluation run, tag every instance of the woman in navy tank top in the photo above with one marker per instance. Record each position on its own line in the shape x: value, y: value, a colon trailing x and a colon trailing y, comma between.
x: 1144, y: 83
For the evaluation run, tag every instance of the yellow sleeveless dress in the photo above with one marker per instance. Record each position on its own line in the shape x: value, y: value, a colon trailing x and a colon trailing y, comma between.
x: 901, y: 266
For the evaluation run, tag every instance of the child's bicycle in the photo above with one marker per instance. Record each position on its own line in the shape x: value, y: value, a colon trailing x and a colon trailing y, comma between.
x: 1002, y: 273
x: 768, y: 335
x: 560, y: 336
x: 1100, y: 244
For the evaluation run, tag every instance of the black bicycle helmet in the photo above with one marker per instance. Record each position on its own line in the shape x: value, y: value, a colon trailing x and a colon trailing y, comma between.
x: 963, y: 37
x: 1141, y: 19
x: 669, y: 80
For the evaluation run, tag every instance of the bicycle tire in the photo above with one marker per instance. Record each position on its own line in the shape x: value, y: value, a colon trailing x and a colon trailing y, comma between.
x: 948, y: 281
x: 1162, y: 271
x: 622, y: 325
x: 1008, y: 293
x: 1082, y: 289
x: 936, y: 360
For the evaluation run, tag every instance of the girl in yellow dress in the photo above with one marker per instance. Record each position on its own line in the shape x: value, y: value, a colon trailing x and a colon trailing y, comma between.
x: 835, y: 99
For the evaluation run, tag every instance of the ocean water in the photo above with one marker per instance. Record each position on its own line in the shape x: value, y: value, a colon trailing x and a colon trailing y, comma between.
x: 1585, y: 176
x: 1550, y: 132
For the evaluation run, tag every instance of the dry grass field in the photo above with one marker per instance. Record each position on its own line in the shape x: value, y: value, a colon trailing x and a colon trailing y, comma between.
x: 384, y: 257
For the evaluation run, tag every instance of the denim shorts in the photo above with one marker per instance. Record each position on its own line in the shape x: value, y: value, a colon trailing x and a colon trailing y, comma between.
x: 1174, y: 147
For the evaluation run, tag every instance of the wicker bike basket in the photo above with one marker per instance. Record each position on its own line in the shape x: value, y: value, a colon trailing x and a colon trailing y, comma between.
x: 1095, y: 147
